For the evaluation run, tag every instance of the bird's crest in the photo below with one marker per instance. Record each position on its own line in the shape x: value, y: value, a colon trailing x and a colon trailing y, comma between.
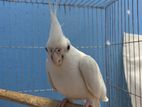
x: 56, y: 32
x: 52, y: 8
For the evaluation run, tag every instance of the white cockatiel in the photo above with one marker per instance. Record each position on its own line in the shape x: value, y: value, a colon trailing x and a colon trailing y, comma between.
x: 71, y: 72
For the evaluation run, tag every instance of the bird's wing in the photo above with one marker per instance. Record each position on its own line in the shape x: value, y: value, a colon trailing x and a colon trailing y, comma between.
x: 51, y: 82
x: 49, y: 77
x: 91, y: 76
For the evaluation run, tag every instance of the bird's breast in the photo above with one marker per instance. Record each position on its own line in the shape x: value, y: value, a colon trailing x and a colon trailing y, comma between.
x: 69, y: 83
x: 67, y: 79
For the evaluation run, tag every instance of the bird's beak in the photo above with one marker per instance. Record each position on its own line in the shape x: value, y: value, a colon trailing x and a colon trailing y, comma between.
x: 57, y: 58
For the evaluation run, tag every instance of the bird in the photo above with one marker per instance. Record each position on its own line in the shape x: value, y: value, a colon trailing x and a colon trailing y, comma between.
x: 70, y: 71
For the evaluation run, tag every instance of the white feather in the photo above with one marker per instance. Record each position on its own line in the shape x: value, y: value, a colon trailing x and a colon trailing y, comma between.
x: 79, y: 76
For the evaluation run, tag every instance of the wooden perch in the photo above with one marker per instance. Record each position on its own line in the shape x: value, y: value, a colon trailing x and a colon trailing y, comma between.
x: 32, y: 101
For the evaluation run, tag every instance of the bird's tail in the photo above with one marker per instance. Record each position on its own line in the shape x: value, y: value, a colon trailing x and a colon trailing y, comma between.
x: 96, y: 103
x: 105, y: 99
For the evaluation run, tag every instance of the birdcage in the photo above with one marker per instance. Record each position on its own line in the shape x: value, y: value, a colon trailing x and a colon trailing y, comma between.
x: 107, y: 30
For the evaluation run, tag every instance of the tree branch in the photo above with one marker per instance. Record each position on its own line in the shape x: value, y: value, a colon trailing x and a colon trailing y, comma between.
x: 33, y: 101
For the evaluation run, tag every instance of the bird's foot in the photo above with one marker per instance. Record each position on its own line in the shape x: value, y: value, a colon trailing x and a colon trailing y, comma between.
x: 63, y: 102
x: 88, y: 104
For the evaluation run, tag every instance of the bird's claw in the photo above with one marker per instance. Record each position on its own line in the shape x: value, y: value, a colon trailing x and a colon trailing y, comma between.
x: 88, y: 104
x: 63, y: 102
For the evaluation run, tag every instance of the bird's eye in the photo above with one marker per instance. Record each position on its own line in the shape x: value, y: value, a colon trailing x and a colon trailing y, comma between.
x: 58, y: 50
x: 46, y: 49
x: 68, y: 47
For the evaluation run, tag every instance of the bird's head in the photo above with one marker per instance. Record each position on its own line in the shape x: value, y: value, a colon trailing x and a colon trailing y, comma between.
x: 58, y: 45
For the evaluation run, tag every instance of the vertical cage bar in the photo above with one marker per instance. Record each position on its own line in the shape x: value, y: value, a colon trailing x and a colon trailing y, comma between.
x: 139, y: 53
x: 106, y: 61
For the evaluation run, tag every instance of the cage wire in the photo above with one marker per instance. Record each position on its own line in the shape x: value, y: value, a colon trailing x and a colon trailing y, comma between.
x: 97, y: 27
